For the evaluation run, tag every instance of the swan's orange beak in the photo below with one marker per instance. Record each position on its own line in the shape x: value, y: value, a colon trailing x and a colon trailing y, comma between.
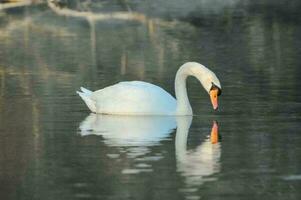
x: 213, y: 96
x: 214, y: 133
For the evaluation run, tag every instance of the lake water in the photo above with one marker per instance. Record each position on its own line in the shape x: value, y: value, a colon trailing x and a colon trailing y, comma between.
x: 51, y: 147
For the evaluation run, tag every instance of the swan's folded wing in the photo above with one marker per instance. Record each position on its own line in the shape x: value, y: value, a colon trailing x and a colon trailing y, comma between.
x: 135, y: 97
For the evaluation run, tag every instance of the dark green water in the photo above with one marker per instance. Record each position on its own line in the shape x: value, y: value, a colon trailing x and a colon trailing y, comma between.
x: 47, y: 148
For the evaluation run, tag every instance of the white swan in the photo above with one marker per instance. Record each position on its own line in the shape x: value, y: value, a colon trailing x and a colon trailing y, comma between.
x: 141, y: 98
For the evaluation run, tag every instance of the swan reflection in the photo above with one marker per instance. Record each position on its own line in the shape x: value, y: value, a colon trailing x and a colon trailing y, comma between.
x: 140, y: 133
x: 199, y: 164
x: 128, y: 130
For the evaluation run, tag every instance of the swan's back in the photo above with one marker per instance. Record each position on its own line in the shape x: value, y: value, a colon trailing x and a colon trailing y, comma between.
x: 134, y: 97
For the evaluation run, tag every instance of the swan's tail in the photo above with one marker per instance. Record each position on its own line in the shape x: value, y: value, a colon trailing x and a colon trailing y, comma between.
x: 85, y: 94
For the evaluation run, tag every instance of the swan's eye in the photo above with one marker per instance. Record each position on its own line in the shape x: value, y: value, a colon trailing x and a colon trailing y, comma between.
x: 214, y: 87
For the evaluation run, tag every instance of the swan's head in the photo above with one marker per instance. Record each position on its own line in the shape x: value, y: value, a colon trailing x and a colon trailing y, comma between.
x: 209, y: 81
x: 213, y: 87
x: 214, y: 92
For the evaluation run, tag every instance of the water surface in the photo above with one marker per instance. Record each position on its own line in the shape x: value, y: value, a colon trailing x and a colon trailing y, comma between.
x: 52, y: 148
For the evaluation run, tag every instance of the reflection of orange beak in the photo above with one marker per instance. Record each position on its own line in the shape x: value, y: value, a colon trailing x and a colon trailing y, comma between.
x: 214, y: 133
x: 213, y: 96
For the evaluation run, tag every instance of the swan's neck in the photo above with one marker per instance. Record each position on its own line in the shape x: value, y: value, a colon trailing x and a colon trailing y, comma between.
x: 183, y: 105
x: 188, y: 69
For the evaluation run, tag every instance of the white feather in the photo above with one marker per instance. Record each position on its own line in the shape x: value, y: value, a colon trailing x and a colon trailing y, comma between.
x: 86, y: 96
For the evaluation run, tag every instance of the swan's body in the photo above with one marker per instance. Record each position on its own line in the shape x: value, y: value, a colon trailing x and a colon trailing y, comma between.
x: 132, y: 97
x: 141, y: 98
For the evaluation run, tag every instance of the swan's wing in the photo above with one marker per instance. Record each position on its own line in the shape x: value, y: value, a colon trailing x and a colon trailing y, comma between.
x: 134, y: 97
